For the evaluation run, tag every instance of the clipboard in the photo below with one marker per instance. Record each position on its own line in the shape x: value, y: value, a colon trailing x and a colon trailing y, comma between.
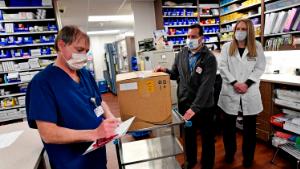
x: 120, y: 131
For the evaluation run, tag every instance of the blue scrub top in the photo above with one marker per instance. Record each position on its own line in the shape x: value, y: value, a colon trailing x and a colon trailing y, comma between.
x: 53, y: 96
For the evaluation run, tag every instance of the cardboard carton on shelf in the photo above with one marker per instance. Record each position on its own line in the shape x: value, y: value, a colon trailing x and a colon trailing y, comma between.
x: 145, y: 95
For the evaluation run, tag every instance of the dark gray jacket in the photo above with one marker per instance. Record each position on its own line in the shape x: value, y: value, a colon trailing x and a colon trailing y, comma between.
x: 197, y: 88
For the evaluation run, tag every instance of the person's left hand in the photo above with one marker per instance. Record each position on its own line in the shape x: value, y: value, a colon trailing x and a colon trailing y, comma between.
x: 241, y: 87
x: 188, y: 114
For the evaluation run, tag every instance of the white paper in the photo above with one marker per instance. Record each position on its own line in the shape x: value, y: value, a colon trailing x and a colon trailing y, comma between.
x: 123, y: 127
x: 128, y: 86
x: 8, y: 138
x: 120, y: 131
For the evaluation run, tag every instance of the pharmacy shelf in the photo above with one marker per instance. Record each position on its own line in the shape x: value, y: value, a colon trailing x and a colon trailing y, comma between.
x: 256, y: 36
x: 283, y: 8
x: 180, y: 44
x: 226, y: 31
x: 10, y: 84
x: 211, y: 42
x: 214, y: 33
x: 209, y: 24
x: 227, y: 40
x: 208, y: 16
x: 25, y: 70
x: 28, y: 45
x: 283, y: 33
x: 180, y: 16
x: 12, y: 95
x: 14, y: 107
x: 27, y: 7
x: 31, y: 57
x: 287, y: 106
x: 232, y: 30
x: 176, y: 26
x: 179, y: 35
x: 28, y: 20
x: 27, y: 33
x: 229, y: 3
x: 240, y: 9
x: 192, y: 7
x: 248, y: 17
x: 13, y: 118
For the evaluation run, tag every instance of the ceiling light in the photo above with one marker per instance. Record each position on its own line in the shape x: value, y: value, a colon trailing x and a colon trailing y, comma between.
x: 104, y: 32
x: 105, y: 18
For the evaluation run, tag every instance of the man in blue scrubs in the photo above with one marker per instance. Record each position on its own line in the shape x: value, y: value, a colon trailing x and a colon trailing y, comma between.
x: 61, y: 102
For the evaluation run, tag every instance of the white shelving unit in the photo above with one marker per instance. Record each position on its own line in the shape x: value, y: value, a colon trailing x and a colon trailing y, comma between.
x: 25, y: 70
x: 13, y: 95
x: 227, y: 23
x: 283, y: 8
x: 28, y: 45
x: 28, y: 20
x: 26, y: 58
x: 242, y: 8
x: 27, y: 33
x: 12, y: 89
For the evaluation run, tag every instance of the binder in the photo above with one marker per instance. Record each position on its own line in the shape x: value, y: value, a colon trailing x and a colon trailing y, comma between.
x: 291, y: 19
x: 267, y: 21
x: 280, y: 21
x: 296, y: 24
x: 273, y: 19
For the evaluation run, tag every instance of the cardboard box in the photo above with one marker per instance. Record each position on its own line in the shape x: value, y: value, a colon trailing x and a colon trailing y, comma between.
x: 146, y: 95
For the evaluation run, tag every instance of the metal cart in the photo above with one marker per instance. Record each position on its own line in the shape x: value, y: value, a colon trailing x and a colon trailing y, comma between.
x: 153, y: 153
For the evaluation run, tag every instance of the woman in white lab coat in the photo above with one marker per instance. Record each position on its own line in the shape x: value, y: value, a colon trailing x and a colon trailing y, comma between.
x: 241, y: 65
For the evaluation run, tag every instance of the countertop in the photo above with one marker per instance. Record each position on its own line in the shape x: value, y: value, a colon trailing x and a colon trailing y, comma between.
x: 25, y: 152
x: 282, y: 79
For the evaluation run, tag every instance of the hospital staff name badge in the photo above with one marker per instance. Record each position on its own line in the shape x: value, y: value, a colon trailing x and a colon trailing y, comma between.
x: 199, y: 70
x: 98, y: 111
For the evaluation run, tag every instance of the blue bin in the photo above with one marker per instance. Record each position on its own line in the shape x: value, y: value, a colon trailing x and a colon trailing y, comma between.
x: 103, y: 86
x: 20, y: 3
x: 36, y: 2
x: 140, y: 134
x: 13, y: 3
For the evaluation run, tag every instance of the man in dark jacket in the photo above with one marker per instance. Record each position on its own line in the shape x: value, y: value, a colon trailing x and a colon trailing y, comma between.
x: 195, y: 71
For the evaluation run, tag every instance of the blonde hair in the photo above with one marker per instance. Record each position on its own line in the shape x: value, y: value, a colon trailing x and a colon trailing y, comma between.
x: 250, y: 39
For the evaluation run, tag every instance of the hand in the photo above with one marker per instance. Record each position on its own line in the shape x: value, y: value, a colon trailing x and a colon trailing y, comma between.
x: 240, y: 87
x: 188, y: 114
x: 160, y: 69
x: 107, y: 128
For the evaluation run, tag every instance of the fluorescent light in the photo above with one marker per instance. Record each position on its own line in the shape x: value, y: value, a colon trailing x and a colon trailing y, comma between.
x: 131, y: 33
x: 104, y: 32
x: 105, y: 18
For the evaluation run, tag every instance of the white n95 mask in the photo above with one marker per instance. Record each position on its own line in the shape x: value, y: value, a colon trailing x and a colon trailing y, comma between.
x: 192, y: 43
x: 77, y: 61
x: 240, y: 35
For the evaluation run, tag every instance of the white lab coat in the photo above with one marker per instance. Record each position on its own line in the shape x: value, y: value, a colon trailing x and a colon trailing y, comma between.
x: 241, y: 68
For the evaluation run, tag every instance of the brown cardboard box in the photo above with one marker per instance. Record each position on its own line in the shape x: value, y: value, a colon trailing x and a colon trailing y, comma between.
x: 146, y: 95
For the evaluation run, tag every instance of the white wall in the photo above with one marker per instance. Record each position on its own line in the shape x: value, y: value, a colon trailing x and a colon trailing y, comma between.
x: 144, y: 20
x: 97, y: 47
x: 285, y: 61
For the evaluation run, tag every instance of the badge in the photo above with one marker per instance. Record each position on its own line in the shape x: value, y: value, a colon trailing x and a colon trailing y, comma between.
x: 199, y: 70
x: 251, y: 58
x: 98, y: 111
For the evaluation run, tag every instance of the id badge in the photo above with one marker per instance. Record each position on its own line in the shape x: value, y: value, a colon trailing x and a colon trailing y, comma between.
x: 98, y: 111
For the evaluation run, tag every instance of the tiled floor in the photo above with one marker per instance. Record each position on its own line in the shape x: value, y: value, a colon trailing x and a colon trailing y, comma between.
x: 263, y: 154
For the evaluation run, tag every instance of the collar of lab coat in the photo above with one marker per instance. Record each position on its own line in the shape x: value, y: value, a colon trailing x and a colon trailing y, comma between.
x: 244, y: 56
